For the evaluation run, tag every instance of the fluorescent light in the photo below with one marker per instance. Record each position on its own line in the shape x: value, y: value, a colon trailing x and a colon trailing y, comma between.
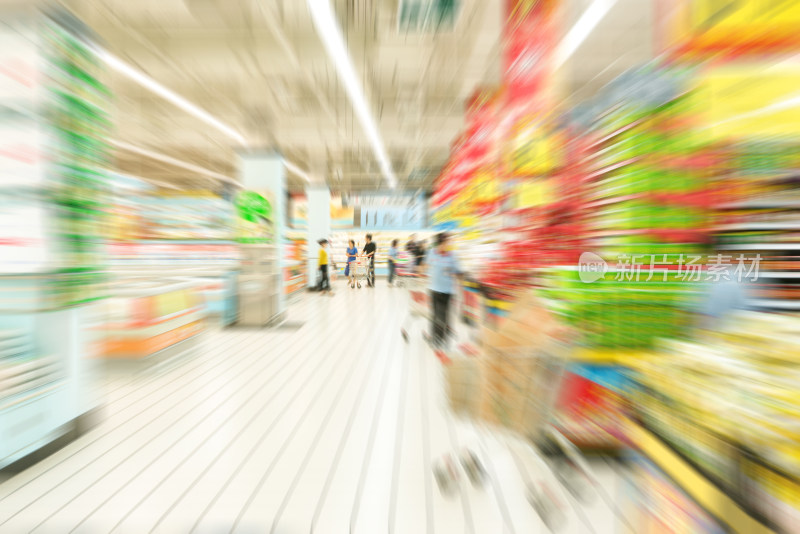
x: 578, y: 33
x: 148, y: 83
x: 331, y: 35
x: 178, y: 163
x: 297, y: 170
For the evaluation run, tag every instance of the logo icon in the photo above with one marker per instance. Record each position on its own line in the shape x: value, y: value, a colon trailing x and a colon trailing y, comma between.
x: 591, y: 267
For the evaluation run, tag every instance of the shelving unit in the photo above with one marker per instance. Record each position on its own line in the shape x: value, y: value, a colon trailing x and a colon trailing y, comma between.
x: 259, y: 284
x: 760, y: 215
x: 727, y: 406
x: 159, y: 235
x: 295, y: 255
x: 666, y: 480
x: 146, y: 317
x: 51, y: 254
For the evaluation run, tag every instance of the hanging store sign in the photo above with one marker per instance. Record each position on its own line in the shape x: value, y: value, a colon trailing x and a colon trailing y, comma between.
x: 530, y: 34
x: 299, y: 212
x: 394, y: 217
x: 731, y: 27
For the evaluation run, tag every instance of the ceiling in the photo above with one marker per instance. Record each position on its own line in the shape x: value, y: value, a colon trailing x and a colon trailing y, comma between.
x: 260, y: 67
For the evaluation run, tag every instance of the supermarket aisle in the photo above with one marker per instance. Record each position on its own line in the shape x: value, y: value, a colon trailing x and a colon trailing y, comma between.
x: 329, y: 426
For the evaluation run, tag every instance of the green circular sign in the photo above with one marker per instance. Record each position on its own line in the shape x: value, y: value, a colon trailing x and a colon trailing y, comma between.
x: 252, y: 207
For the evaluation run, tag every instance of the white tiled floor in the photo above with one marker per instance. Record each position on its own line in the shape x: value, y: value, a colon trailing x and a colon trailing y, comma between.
x: 330, y: 428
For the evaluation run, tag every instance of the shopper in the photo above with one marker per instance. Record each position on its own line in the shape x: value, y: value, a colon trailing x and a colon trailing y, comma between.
x: 392, y: 260
x: 352, y: 258
x: 369, y: 251
x: 443, y: 268
x: 411, y: 246
x: 421, y: 252
x: 722, y: 299
x: 324, y: 280
x: 413, y: 249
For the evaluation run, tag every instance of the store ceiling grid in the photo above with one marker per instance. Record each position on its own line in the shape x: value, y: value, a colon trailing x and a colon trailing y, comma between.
x: 261, y: 68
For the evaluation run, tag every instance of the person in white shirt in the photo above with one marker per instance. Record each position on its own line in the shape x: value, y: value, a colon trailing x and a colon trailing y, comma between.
x: 443, y: 271
x: 392, y: 260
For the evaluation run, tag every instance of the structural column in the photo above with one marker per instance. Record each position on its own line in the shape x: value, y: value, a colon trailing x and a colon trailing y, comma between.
x: 319, y: 226
x: 265, y: 173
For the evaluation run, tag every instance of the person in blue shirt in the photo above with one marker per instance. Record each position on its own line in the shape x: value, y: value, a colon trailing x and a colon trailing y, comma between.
x: 352, y: 256
x: 443, y: 271
x: 392, y: 260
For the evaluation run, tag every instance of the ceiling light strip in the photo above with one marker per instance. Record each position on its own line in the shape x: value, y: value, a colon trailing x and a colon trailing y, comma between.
x: 168, y: 159
x: 331, y: 35
x: 150, y: 84
x: 297, y: 170
x: 581, y: 30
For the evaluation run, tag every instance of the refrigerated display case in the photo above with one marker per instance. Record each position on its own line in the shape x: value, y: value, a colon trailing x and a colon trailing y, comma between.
x: 159, y: 234
x: 146, y: 317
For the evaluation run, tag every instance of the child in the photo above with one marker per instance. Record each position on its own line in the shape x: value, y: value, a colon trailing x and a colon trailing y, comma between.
x: 324, y: 281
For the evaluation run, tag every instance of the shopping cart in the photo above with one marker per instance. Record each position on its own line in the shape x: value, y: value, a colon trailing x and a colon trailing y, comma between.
x: 513, y: 392
x: 360, y: 269
x: 404, y: 266
x: 421, y: 307
x: 419, y: 300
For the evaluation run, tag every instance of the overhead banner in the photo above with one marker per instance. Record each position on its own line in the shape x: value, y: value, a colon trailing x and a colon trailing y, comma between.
x: 299, y: 212
x: 531, y: 37
x: 530, y: 148
x: 413, y: 217
x: 342, y: 217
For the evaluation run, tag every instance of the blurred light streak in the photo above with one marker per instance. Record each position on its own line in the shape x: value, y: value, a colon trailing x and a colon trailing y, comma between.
x: 165, y: 184
x: 590, y: 18
x: 780, y: 105
x: 167, y: 159
x: 331, y: 35
x: 297, y: 170
x: 167, y: 94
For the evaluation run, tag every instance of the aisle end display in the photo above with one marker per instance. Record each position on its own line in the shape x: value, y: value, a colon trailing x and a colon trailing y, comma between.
x: 260, y: 281
x: 52, y: 276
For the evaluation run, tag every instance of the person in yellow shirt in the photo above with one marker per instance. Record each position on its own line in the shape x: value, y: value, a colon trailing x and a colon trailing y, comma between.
x: 324, y: 280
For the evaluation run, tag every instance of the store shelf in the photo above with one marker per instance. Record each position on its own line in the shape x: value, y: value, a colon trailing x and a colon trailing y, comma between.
x: 761, y: 246
x: 615, y: 133
x: 614, y: 200
x: 180, y: 241
x: 765, y: 203
x: 775, y: 304
x: 766, y: 176
x: 759, y: 226
x: 607, y: 356
x: 612, y: 167
x: 779, y: 274
x: 692, y: 481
